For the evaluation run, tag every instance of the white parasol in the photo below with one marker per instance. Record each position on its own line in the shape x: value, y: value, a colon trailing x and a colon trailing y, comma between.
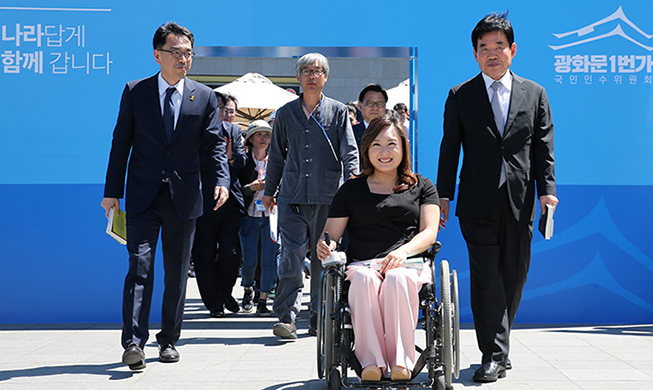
x: 257, y: 97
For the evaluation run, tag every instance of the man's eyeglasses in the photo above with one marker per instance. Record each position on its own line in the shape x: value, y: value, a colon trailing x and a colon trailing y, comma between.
x: 309, y: 72
x: 370, y: 104
x: 178, y: 53
x: 228, y: 111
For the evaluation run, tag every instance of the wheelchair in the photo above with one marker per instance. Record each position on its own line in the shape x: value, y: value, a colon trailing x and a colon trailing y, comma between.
x: 439, y: 319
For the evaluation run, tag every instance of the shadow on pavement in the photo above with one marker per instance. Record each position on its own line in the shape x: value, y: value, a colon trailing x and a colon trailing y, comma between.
x: 115, y: 371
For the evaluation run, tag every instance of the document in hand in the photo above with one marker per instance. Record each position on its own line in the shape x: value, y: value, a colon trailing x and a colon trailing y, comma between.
x: 117, y: 226
x: 274, y: 224
x: 413, y: 262
x: 546, y: 222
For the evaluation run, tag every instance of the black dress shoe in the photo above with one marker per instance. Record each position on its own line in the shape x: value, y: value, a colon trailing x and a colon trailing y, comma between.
x: 217, y: 311
x: 508, y: 365
x: 490, y: 372
x: 134, y: 357
x: 137, y: 366
x: 168, y: 353
x: 231, y: 304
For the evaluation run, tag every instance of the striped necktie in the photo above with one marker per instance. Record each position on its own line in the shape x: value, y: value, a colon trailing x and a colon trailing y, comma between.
x: 497, y: 107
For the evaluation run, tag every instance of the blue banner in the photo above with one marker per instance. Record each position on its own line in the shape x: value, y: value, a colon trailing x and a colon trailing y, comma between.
x: 64, y: 64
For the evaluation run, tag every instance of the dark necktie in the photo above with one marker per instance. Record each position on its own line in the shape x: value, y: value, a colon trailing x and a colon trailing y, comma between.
x: 168, y: 113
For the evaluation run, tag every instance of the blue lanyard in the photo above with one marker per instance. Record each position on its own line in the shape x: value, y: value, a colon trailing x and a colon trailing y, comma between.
x: 321, y: 124
x: 321, y: 121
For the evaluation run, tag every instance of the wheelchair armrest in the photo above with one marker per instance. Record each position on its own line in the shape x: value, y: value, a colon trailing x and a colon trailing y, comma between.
x: 433, y: 250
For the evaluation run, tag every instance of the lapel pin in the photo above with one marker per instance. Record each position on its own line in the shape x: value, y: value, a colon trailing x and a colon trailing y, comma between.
x: 192, y: 98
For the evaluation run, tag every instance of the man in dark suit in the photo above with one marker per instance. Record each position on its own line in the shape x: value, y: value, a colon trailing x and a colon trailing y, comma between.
x: 163, y: 124
x: 506, y: 133
x: 217, y: 251
x: 371, y: 103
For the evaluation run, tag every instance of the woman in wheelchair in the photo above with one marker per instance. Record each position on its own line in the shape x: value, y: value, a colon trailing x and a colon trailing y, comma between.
x: 390, y: 214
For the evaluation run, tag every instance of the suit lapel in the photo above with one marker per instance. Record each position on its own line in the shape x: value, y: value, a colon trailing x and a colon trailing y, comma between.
x: 479, y: 93
x: 517, y: 98
x: 186, y: 106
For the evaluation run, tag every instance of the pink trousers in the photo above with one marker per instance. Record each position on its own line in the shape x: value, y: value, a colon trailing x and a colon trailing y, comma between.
x: 385, y: 313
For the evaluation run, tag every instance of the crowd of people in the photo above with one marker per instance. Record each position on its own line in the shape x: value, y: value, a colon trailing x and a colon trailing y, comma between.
x: 319, y: 165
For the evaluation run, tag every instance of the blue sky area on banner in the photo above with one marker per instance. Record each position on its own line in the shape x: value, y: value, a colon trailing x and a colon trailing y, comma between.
x: 595, y: 63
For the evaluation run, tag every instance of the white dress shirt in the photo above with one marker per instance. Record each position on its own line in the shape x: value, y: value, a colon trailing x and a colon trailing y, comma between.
x: 176, y: 97
x: 504, y: 91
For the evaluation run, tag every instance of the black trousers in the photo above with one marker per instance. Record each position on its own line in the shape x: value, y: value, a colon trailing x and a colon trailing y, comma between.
x: 217, y: 254
x: 499, y: 257
x: 142, y: 237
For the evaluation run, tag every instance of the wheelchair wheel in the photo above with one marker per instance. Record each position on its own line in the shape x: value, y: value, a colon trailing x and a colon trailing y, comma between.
x: 446, y: 313
x: 456, y: 323
x: 334, y: 382
x: 327, y: 300
x: 438, y: 383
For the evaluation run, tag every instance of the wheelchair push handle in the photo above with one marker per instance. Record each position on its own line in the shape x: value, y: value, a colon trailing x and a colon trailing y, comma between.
x: 327, y: 238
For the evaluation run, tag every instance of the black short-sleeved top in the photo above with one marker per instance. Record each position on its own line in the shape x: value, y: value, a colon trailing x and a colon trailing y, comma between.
x: 379, y: 223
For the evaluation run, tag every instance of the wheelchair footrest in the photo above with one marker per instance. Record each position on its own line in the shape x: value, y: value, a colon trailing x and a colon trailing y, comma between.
x: 351, y: 358
x: 427, y: 354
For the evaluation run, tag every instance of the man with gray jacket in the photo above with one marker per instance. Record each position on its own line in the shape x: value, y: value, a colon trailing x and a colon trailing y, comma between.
x: 312, y: 151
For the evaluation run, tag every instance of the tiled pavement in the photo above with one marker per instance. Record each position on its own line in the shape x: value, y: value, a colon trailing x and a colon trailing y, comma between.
x: 240, y: 352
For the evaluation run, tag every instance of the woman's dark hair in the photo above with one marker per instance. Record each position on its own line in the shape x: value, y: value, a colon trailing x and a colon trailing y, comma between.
x: 407, y: 179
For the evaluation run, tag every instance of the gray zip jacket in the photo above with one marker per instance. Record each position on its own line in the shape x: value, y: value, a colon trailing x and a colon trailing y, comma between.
x: 311, y: 169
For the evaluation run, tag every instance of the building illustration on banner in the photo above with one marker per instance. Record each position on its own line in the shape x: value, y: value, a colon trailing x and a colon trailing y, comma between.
x: 605, y: 68
x: 618, y: 31
x: 594, y: 232
x: 595, y: 239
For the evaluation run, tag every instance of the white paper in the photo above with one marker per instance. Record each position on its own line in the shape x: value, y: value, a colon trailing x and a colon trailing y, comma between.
x: 274, y: 224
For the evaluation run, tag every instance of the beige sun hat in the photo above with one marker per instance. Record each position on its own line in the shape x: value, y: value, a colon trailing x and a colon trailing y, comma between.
x: 256, y: 127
